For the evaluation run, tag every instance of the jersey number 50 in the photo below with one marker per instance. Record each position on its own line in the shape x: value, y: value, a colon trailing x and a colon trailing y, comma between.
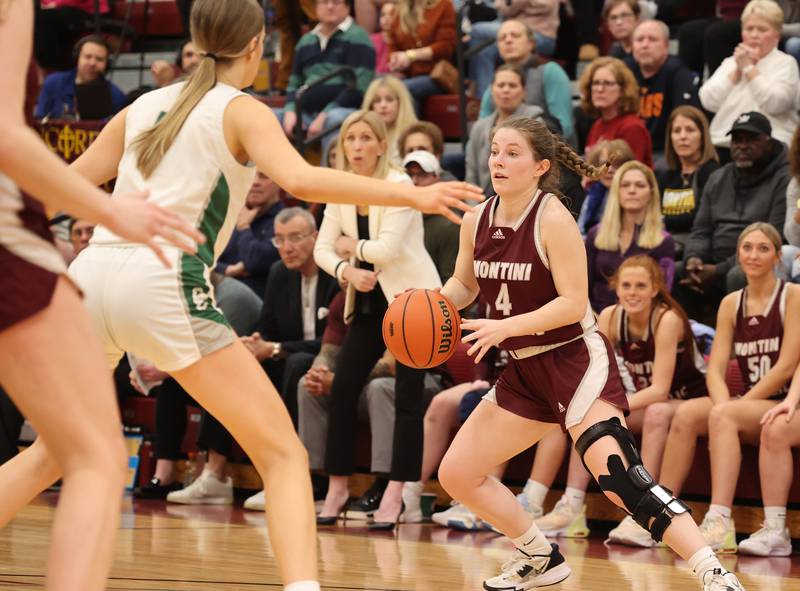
x: 758, y: 367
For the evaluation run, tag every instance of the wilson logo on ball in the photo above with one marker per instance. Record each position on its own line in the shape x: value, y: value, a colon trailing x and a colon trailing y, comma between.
x: 421, y: 328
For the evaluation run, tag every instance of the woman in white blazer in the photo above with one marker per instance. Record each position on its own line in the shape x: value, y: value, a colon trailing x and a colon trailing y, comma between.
x: 379, y: 252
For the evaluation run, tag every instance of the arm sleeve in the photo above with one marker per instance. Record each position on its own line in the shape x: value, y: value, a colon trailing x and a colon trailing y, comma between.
x: 717, y: 88
x: 558, y: 96
x: 471, y: 175
x: 791, y: 229
x: 639, y: 140
x: 391, y: 235
x: 777, y: 210
x: 44, y: 105
x: 268, y: 323
x: 118, y: 98
x: 775, y: 90
x: 443, y: 44
x: 324, y: 251
x: 699, y: 243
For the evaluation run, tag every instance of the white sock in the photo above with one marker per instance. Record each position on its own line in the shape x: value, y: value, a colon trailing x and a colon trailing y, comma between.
x: 536, y: 492
x: 720, y: 510
x: 302, y: 586
x: 703, y: 561
x: 775, y: 517
x: 575, y: 497
x: 533, y: 542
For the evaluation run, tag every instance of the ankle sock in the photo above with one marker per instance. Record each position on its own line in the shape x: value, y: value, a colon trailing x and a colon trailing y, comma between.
x: 535, y: 492
x: 575, y: 497
x: 533, y: 542
x: 775, y: 517
x: 703, y: 561
x: 302, y: 586
x: 720, y: 510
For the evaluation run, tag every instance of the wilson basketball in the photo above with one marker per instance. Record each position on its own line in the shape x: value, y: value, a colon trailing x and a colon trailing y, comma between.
x: 421, y: 328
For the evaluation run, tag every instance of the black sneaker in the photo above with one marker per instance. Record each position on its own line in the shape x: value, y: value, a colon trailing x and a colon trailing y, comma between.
x: 528, y: 571
x: 363, y: 508
x: 155, y: 490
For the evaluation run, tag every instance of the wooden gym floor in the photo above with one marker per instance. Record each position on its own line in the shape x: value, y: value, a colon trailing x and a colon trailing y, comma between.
x: 205, y: 548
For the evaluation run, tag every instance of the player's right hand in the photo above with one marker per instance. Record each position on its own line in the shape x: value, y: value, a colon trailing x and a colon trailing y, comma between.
x: 134, y: 218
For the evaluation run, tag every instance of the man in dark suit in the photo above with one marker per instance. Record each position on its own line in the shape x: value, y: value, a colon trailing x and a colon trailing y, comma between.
x: 295, y: 306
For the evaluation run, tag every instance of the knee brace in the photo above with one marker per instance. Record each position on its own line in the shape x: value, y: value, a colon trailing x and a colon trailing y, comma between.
x: 643, y: 498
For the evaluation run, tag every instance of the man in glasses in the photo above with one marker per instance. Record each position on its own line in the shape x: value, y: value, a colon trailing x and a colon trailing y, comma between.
x: 296, y: 298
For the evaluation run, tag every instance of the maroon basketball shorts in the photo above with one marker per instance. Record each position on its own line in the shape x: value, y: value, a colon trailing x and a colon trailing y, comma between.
x: 25, y: 289
x: 561, y: 384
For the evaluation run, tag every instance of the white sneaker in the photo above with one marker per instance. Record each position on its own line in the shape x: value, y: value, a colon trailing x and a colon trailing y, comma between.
x: 412, y: 496
x: 719, y: 533
x: 525, y: 571
x: 460, y: 517
x: 630, y: 533
x: 535, y: 511
x: 564, y: 521
x: 767, y: 542
x: 256, y: 502
x: 206, y: 490
x: 721, y: 580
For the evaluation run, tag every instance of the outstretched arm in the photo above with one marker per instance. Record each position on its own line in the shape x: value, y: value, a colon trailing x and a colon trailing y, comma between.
x: 462, y: 288
x: 252, y: 127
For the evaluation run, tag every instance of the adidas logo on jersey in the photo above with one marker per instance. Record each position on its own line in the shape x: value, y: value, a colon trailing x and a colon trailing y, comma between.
x: 561, y: 407
x: 753, y: 321
x: 498, y: 235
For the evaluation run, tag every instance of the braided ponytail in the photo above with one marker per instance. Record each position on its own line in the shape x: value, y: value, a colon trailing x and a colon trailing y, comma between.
x: 547, y: 146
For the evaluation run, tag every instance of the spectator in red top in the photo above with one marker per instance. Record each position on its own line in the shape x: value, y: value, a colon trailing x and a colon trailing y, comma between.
x: 422, y: 34
x: 610, y: 92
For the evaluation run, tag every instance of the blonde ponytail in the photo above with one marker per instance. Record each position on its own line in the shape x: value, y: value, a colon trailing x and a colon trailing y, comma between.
x: 154, y: 142
x: 223, y: 29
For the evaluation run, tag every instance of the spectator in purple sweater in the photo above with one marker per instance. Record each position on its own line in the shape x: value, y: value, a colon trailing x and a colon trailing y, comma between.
x: 250, y: 252
x: 631, y: 225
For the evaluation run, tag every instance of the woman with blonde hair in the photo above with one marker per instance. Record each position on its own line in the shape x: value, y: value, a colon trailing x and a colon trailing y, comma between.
x: 691, y: 158
x: 631, y: 225
x: 379, y: 252
x: 759, y: 327
x: 189, y: 145
x: 617, y: 153
x: 610, y: 92
x: 757, y: 77
x: 389, y: 98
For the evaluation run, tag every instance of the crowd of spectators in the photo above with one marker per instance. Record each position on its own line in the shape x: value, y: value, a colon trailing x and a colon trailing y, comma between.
x: 703, y: 153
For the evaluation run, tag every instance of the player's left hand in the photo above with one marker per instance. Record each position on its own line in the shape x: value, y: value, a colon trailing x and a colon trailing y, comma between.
x: 487, y: 334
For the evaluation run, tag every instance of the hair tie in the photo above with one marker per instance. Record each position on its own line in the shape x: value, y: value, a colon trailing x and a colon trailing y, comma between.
x: 211, y: 55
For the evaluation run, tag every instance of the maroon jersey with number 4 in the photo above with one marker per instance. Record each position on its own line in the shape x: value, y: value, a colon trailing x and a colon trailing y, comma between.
x: 689, y: 376
x: 757, y: 339
x: 513, y: 272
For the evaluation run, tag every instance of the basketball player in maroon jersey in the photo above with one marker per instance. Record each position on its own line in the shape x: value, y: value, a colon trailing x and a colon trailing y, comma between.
x: 523, y: 252
x: 51, y: 362
x: 759, y: 325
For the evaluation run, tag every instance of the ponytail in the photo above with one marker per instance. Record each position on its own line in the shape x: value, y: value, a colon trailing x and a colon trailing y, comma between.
x: 153, y: 143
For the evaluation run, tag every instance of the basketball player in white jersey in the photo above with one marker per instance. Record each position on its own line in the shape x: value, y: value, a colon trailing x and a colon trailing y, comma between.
x: 190, y: 146
x: 51, y: 363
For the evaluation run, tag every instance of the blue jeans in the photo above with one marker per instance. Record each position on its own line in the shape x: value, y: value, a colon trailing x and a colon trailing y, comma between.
x: 482, y: 64
x: 420, y: 88
x: 334, y: 119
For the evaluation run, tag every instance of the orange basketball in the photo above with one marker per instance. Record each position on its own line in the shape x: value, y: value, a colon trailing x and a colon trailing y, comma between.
x: 421, y: 328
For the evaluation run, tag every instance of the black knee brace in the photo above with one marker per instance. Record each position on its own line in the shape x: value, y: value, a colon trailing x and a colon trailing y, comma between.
x: 643, y: 498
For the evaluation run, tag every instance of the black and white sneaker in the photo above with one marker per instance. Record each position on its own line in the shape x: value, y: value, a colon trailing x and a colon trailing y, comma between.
x: 529, y: 571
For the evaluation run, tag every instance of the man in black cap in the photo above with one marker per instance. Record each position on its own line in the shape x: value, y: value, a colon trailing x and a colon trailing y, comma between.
x: 750, y: 188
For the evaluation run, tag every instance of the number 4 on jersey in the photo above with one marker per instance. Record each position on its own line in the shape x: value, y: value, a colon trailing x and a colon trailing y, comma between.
x: 503, y: 301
